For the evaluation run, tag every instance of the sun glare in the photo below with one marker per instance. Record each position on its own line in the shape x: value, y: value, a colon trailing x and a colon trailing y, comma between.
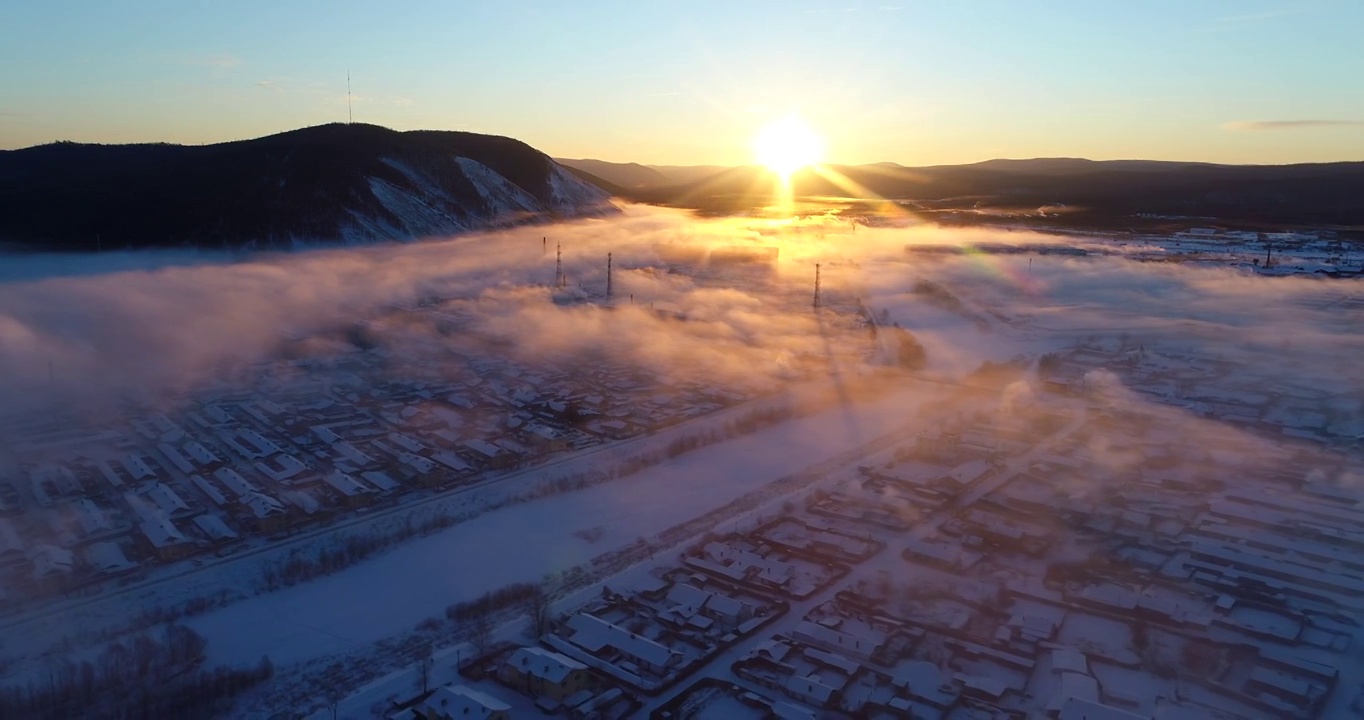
x: 788, y: 145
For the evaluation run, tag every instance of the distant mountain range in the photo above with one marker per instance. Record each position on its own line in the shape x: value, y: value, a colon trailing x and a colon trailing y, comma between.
x: 1085, y: 193
x: 363, y: 183
x: 325, y: 184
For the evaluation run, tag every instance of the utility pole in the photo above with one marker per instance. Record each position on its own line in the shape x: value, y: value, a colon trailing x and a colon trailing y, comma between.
x: 816, y: 304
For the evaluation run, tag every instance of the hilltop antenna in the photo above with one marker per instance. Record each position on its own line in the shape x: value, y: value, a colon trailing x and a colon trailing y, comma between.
x: 608, y: 275
x: 816, y: 305
x: 350, y: 111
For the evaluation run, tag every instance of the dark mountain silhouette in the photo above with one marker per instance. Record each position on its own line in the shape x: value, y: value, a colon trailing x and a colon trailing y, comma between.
x: 625, y: 175
x: 633, y: 176
x: 1083, y: 193
x: 339, y: 182
x: 682, y: 174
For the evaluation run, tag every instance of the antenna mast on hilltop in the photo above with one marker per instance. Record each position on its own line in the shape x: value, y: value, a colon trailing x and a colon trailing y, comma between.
x: 350, y: 112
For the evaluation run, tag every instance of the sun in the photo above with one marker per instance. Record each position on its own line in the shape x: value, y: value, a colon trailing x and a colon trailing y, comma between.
x: 787, y: 145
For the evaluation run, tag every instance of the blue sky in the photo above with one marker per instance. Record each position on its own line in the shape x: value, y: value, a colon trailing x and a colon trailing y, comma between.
x: 908, y: 81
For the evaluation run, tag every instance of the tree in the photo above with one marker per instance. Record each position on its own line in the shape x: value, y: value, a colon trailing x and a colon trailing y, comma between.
x: 184, y: 645
x: 144, y: 652
x: 538, y: 608
x: 333, y: 696
x: 481, y: 634
x: 334, y: 692
x: 425, y: 661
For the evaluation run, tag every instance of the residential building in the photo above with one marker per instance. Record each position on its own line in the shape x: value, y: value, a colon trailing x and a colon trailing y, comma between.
x: 544, y: 673
x: 459, y: 702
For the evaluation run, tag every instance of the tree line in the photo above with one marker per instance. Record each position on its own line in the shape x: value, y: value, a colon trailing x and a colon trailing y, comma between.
x: 150, y: 676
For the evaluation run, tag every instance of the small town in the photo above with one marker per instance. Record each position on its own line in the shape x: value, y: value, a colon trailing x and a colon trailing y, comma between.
x: 992, y: 569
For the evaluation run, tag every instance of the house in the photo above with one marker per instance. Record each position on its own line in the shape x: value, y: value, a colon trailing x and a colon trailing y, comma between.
x: 459, y: 702
x: 165, y: 538
x: 742, y: 565
x: 861, y: 646
x: 12, y: 548
x: 214, y: 527
x: 489, y: 454
x: 166, y: 500
x: 1079, y: 709
x: 281, y: 467
x: 175, y: 457
x: 117, y: 477
x: 202, y: 456
x: 107, y: 558
x: 407, y: 443
x: 52, y: 566
x: 613, y: 643
x: 811, y: 689
x: 234, y: 482
x: 351, y: 491
x: 452, y: 461
x: 597, y: 706
x: 416, y: 468
x: 545, y: 438
x: 267, y: 512
x: 137, y: 467
x: 544, y: 673
x: 380, y: 480
x: 686, y: 601
x: 92, y: 519
x: 251, y: 444
x: 209, y: 489
x: 351, y: 454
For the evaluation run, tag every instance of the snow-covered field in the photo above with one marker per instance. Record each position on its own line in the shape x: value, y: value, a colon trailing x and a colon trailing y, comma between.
x: 523, y: 543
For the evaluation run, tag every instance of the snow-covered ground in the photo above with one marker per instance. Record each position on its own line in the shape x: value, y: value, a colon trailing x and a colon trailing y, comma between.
x: 525, y: 542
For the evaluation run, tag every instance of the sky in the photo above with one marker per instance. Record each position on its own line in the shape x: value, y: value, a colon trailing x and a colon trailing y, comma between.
x: 688, y: 83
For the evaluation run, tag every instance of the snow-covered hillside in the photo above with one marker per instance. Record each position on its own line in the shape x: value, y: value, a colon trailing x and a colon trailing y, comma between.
x: 348, y: 183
